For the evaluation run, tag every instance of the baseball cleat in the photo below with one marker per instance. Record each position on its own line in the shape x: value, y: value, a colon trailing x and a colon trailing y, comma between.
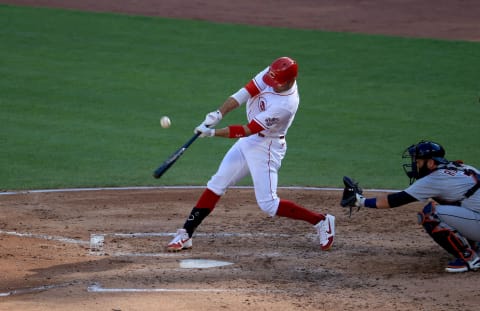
x: 326, y: 232
x: 474, y: 264
x: 180, y: 242
x: 460, y: 265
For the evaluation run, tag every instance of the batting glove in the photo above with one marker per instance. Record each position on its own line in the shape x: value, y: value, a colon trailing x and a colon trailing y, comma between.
x: 213, y: 118
x: 204, y: 130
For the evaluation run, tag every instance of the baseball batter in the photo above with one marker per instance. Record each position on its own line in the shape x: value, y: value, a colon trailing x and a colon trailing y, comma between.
x: 452, y: 219
x: 271, y: 100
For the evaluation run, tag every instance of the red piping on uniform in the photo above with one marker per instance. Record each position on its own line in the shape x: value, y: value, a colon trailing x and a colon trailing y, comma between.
x: 269, y: 171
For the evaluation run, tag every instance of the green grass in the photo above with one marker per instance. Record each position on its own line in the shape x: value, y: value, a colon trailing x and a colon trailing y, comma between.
x: 81, y: 95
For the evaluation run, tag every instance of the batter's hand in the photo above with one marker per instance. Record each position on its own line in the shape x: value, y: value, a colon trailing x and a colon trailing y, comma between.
x: 213, y: 118
x: 204, y: 130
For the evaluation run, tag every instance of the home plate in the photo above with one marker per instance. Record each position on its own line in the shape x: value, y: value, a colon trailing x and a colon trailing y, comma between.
x: 202, y: 263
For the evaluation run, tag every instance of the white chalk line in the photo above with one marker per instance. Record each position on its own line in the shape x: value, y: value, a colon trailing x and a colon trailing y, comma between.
x: 212, y: 235
x: 35, y: 289
x: 45, y: 237
x: 135, y: 235
x: 97, y: 288
x: 173, y: 187
x: 176, y: 255
x: 138, y: 235
x: 97, y: 241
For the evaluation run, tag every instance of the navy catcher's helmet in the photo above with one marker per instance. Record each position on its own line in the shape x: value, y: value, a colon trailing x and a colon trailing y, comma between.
x: 422, y: 150
x: 430, y: 150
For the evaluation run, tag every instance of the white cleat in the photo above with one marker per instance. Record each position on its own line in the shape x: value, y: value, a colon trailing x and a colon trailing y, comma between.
x: 180, y: 242
x: 326, y: 232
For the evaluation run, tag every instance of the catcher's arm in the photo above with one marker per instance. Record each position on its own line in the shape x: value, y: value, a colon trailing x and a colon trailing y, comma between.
x: 352, y: 195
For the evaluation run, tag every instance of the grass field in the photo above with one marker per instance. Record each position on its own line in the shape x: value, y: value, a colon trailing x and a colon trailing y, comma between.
x: 81, y: 95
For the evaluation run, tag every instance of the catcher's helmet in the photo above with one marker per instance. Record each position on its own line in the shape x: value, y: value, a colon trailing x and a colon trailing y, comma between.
x: 281, y: 71
x: 430, y: 150
x: 422, y: 150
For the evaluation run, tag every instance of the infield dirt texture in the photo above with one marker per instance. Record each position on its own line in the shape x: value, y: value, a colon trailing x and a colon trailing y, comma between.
x: 381, y: 260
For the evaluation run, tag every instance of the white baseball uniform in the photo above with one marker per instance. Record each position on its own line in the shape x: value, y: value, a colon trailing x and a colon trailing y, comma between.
x: 260, y: 154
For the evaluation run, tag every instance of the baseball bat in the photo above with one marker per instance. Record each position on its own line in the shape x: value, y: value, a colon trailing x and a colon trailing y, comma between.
x: 174, y: 157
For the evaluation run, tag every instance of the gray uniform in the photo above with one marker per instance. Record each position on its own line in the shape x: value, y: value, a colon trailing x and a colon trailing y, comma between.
x: 448, y: 185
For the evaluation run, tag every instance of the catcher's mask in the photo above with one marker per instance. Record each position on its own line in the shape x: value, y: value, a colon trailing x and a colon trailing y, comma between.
x: 422, y: 150
x: 282, y: 70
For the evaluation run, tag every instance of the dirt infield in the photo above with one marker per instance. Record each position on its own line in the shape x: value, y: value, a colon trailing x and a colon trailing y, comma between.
x: 444, y: 19
x: 381, y: 259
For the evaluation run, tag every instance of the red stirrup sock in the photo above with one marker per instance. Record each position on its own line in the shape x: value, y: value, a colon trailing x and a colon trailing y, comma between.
x: 294, y: 211
x: 208, y: 199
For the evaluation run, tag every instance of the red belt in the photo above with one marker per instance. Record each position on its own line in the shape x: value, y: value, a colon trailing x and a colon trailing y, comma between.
x: 261, y: 135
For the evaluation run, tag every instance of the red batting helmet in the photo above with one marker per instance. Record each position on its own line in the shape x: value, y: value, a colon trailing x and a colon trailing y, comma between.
x: 281, y: 71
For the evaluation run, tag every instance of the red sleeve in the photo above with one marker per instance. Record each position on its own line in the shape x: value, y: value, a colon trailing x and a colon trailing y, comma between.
x: 252, y: 88
x: 254, y: 127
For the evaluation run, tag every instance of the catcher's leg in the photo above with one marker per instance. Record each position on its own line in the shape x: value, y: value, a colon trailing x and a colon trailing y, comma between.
x: 450, y: 240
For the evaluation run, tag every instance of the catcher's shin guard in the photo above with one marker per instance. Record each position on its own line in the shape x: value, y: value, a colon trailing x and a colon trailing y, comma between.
x: 453, y: 243
x: 447, y: 238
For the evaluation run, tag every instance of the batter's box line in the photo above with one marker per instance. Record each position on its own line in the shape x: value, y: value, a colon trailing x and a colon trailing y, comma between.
x: 97, y: 240
x: 45, y: 237
x: 98, y: 288
x: 213, y: 235
x: 37, y: 289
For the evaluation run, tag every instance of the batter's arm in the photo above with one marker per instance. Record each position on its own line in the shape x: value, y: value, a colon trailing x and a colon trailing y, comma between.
x: 237, y: 131
x: 229, y: 105
x: 214, y: 117
x: 235, y: 100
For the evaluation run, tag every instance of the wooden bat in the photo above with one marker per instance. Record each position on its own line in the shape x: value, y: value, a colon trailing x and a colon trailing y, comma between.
x: 174, y: 157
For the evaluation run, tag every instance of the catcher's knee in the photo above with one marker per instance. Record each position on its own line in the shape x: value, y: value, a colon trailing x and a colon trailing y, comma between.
x: 427, y: 218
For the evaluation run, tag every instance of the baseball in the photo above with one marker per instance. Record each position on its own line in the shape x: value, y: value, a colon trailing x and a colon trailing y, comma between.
x: 165, y: 122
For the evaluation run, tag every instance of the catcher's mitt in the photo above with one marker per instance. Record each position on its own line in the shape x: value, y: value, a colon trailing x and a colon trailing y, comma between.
x: 349, y: 198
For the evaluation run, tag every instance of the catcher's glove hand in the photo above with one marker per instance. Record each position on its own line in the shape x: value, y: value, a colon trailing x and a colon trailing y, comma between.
x: 352, y: 194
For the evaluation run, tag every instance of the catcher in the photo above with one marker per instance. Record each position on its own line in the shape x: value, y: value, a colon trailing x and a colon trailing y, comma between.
x: 452, y: 217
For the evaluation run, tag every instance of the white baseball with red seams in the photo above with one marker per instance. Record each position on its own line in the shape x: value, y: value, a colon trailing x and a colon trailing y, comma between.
x: 260, y: 154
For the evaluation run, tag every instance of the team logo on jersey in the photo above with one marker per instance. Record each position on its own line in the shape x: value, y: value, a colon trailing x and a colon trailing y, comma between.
x: 271, y: 121
x: 261, y: 105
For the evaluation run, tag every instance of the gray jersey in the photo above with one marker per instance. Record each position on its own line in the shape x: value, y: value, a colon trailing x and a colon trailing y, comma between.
x: 447, y: 185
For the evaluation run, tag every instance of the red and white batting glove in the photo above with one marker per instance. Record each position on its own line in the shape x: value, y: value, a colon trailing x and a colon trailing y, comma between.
x: 213, y: 118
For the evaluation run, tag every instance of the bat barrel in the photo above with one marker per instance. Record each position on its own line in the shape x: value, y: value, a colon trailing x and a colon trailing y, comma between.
x: 173, y: 158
